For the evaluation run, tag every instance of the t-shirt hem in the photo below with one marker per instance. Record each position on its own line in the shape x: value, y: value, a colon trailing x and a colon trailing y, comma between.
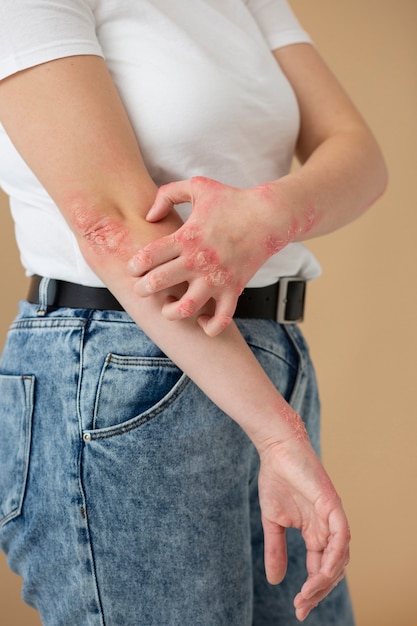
x: 30, y: 58
x: 289, y: 38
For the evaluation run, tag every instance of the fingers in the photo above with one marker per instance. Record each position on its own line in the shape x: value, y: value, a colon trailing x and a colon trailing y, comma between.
x: 193, y: 300
x: 223, y: 315
x: 155, y: 253
x: 197, y: 296
x: 304, y: 604
x: 199, y: 292
x: 327, y: 567
x: 166, y: 197
x: 334, y: 557
x: 275, y: 551
x: 315, y: 589
x: 189, y: 256
x: 172, y: 273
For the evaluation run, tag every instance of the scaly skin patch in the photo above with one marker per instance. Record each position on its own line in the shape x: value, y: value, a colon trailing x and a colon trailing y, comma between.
x: 142, y: 261
x: 310, y: 216
x: 274, y: 244
x: 204, y: 261
x: 299, y: 225
x: 188, y: 233
x: 156, y: 281
x: 266, y: 191
x: 187, y: 308
x: 104, y: 235
x: 295, y: 422
x: 224, y: 321
x: 220, y: 278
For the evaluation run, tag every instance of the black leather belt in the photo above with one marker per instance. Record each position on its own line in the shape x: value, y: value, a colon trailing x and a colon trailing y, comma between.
x: 283, y: 301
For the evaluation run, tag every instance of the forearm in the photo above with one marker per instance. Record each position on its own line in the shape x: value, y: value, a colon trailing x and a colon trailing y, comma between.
x: 341, y: 179
x: 342, y: 168
x: 228, y: 373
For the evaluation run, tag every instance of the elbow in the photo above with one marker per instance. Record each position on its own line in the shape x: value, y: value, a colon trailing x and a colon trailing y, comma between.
x: 98, y: 231
x: 105, y: 235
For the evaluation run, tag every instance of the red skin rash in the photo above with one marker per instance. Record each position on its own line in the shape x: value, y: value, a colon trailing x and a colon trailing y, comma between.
x: 143, y: 258
x: 204, y: 261
x: 220, y: 278
x: 296, y: 226
x: 295, y: 422
x: 274, y: 245
x: 104, y: 235
x: 187, y: 308
x: 189, y: 233
x: 155, y: 281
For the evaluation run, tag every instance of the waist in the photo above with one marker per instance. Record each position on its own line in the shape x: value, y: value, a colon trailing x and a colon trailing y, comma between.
x: 283, y: 301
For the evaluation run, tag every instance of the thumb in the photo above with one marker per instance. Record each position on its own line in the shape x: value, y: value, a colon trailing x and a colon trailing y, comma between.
x: 275, y: 551
x: 167, y: 196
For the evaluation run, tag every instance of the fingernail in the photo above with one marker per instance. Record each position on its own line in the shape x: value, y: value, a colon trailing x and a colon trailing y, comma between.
x: 150, y: 213
x: 132, y: 266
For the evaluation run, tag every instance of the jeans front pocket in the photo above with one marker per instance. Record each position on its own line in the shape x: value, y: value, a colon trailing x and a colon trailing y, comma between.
x: 130, y: 387
x: 16, y: 408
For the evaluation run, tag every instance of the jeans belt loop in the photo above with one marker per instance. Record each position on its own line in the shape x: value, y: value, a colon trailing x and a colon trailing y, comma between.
x: 43, y: 296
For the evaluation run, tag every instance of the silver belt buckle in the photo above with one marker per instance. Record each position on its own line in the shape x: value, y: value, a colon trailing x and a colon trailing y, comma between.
x: 291, y: 300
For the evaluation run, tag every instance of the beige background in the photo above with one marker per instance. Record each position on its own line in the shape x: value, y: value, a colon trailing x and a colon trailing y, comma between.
x: 361, y: 321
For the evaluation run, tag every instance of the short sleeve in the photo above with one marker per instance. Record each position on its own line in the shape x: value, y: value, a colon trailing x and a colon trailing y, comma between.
x: 37, y: 31
x: 277, y: 23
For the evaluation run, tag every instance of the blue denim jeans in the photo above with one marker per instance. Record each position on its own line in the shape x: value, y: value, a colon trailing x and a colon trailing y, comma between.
x: 126, y: 496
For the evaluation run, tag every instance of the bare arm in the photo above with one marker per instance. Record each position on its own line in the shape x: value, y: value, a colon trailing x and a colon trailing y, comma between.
x: 78, y: 141
x: 342, y: 173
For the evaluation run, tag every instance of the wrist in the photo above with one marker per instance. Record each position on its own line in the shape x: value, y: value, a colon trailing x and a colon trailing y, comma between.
x: 287, y: 212
x: 274, y: 424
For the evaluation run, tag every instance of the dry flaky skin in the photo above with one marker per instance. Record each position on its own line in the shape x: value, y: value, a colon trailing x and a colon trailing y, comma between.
x: 105, y: 235
x: 203, y: 260
x: 295, y: 422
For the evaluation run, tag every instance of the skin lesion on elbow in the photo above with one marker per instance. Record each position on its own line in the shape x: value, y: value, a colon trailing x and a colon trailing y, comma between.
x: 102, y: 234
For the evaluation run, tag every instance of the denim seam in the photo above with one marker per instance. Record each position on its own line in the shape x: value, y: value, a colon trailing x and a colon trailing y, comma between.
x: 127, y: 361
x: 300, y: 376
x: 28, y: 419
x: 273, y: 353
x: 139, y: 361
x: 80, y: 481
x: 29, y: 323
x: 141, y: 420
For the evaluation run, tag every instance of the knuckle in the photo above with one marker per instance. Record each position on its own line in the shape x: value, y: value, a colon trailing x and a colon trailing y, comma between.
x: 156, y: 281
x: 187, y: 307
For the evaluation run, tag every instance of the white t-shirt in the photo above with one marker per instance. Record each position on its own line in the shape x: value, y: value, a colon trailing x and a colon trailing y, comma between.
x: 203, y: 92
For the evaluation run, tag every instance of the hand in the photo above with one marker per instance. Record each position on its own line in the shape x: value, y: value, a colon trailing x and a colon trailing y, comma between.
x: 295, y: 491
x: 216, y: 252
